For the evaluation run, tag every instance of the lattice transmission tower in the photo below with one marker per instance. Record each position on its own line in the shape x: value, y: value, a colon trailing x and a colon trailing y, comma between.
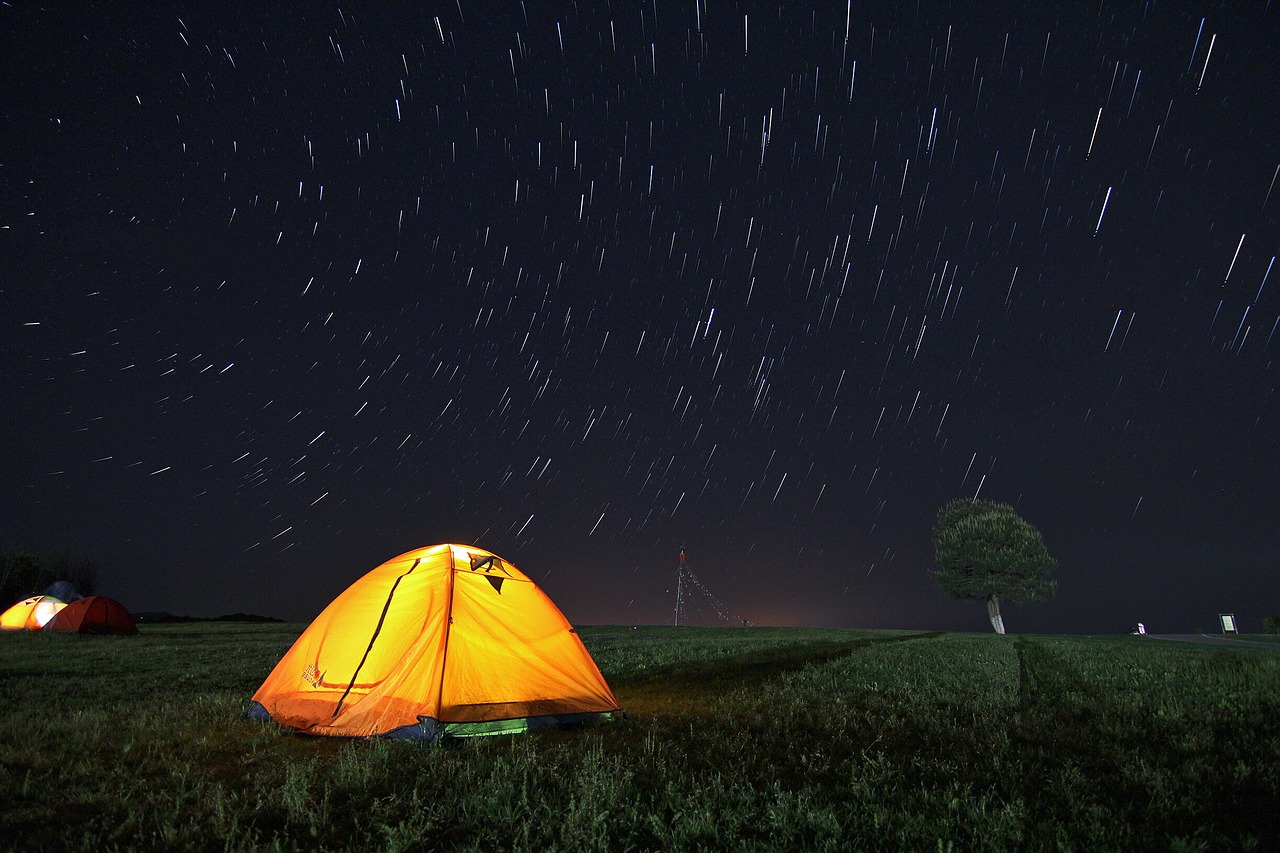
x: 686, y: 577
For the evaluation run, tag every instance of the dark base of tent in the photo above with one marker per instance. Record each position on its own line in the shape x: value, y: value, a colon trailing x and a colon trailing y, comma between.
x: 432, y: 730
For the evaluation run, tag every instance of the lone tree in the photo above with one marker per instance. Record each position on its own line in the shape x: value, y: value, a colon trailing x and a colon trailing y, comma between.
x: 986, y: 550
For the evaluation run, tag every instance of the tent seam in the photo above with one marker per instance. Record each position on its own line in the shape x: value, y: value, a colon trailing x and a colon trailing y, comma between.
x: 448, y: 629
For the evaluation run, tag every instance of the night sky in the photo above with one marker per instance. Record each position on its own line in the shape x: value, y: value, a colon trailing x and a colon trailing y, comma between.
x: 290, y: 289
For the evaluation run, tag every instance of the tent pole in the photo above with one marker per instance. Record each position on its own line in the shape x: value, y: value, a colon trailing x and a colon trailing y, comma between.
x: 376, y: 631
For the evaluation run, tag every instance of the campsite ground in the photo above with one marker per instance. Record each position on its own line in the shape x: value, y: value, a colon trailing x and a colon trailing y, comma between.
x: 744, y: 738
x: 1247, y: 640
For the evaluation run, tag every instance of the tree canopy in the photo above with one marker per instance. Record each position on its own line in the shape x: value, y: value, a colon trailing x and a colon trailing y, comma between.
x: 985, y: 550
x: 23, y: 574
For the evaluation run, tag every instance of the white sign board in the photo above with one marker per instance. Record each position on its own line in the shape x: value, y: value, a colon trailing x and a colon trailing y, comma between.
x: 1228, y: 623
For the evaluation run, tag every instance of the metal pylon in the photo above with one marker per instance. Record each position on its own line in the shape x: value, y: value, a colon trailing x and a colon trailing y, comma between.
x: 680, y: 588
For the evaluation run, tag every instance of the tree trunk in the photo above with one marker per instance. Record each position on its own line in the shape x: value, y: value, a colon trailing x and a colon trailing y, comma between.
x: 993, y: 613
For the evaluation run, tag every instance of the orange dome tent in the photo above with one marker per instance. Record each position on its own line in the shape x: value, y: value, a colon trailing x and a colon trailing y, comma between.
x: 30, y: 614
x: 96, y: 614
x: 445, y: 641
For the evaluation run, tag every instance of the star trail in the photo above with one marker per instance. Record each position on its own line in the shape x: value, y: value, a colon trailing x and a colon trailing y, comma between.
x: 293, y: 288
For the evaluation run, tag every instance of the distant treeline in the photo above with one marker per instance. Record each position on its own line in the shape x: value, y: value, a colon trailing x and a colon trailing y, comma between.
x: 23, y: 574
x: 230, y: 617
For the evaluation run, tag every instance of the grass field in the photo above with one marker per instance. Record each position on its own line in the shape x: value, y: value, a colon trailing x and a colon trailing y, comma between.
x: 737, y: 738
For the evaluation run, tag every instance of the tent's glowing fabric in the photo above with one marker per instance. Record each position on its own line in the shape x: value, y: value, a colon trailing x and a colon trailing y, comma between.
x: 30, y: 614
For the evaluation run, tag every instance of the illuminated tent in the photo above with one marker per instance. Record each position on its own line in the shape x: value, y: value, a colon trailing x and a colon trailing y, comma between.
x: 96, y: 614
x: 445, y: 641
x: 30, y: 614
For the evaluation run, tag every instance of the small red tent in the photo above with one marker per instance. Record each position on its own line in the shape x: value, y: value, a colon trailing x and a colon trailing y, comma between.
x: 96, y: 614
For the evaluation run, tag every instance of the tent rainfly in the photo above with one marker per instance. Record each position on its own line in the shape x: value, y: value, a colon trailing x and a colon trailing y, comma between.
x: 30, y: 614
x: 96, y: 614
x: 446, y: 641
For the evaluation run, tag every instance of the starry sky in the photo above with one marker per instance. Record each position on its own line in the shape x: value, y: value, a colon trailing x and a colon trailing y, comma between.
x: 292, y: 288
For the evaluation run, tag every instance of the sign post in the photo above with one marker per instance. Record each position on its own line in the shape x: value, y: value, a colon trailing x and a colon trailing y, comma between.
x: 1228, y: 623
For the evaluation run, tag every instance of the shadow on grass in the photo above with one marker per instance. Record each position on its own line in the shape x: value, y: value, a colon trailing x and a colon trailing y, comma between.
x: 683, y: 685
x: 1091, y: 753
